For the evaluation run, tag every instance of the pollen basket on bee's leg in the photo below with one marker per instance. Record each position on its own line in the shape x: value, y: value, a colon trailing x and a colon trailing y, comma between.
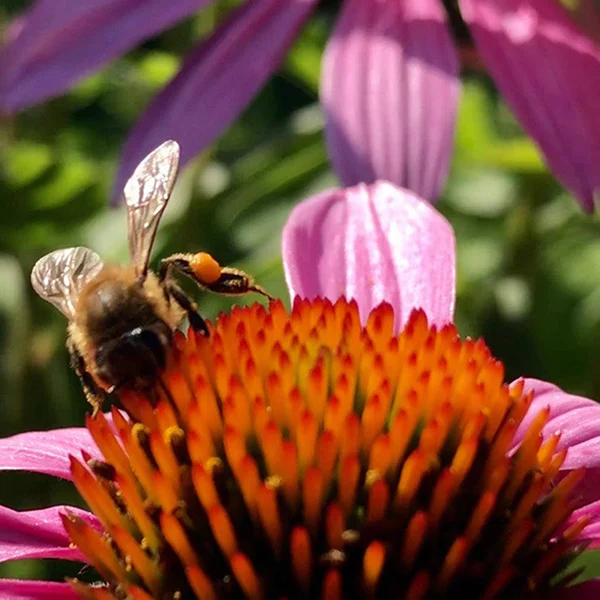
x: 303, y: 455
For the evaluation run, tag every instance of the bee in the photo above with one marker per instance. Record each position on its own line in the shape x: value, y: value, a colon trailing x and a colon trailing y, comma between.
x: 122, y: 319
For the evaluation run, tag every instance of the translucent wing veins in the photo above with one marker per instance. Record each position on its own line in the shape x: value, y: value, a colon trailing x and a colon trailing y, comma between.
x: 146, y: 194
x: 60, y: 276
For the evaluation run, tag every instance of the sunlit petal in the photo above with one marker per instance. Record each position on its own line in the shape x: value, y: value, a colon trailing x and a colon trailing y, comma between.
x: 372, y: 243
x: 549, y: 73
x: 56, y: 43
x: 390, y: 91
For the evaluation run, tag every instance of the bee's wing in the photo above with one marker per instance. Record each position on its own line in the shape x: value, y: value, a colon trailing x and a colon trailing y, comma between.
x: 146, y: 195
x: 60, y: 276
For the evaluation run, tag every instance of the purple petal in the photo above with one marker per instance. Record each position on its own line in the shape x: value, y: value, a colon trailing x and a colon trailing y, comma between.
x: 45, y: 451
x: 39, y: 533
x: 58, y: 41
x: 372, y: 243
x: 22, y: 589
x: 217, y: 81
x: 576, y: 417
x: 390, y: 92
x: 549, y: 73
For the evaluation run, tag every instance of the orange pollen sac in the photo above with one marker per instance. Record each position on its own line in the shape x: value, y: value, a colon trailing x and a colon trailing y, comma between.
x: 305, y: 455
x: 205, y: 267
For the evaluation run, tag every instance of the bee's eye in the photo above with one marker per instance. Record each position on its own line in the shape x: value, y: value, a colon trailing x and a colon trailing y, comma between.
x: 206, y: 269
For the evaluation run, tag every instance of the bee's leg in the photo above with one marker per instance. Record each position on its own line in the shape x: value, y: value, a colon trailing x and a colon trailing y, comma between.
x: 93, y: 393
x: 209, y: 275
x: 197, y: 323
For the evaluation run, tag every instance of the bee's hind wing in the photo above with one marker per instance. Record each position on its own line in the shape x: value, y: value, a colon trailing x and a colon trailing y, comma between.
x: 60, y: 276
x: 146, y: 195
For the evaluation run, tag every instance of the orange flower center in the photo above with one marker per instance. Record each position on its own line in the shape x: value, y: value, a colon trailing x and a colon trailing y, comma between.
x: 304, y: 456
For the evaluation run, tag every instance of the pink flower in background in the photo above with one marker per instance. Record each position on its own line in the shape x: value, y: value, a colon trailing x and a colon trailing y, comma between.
x: 372, y: 243
x: 389, y: 82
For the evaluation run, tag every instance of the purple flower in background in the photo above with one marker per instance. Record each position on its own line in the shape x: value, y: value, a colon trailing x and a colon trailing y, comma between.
x: 389, y: 82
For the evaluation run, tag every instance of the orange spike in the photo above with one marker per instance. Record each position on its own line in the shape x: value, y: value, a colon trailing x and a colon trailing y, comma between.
x: 290, y: 474
x: 249, y: 480
x: 419, y: 586
x: 200, y: 583
x: 452, y: 563
x: 326, y: 454
x: 413, y: 539
x: 373, y: 565
x: 378, y: 501
x: 245, y: 576
x: 307, y: 439
x: 312, y: 494
x: 135, y: 505
x: 204, y: 486
x: 96, y: 497
x: 332, y: 585
x: 348, y: 482
x: 334, y: 526
x: 177, y: 538
x: 105, y: 440
x: 301, y: 556
x: 165, y: 459
x: 222, y: 529
x: 140, y: 561
x: 269, y: 515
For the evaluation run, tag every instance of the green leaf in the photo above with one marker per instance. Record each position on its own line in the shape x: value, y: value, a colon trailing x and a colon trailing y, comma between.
x: 26, y: 161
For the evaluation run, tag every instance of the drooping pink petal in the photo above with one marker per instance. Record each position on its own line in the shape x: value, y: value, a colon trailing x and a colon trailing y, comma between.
x: 217, y: 81
x: 39, y: 533
x: 372, y: 243
x: 22, y: 589
x: 45, y: 451
x: 389, y: 89
x: 592, y: 531
x: 576, y: 417
x: 57, y: 42
x: 549, y: 73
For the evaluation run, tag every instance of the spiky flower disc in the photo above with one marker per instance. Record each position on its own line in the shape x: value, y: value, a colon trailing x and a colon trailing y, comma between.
x: 304, y: 456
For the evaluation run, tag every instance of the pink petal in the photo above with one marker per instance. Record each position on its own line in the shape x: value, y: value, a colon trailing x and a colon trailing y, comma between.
x: 390, y: 92
x: 39, y: 533
x: 549, y: 73
x: 217, y: 81
x: 45, y: 451
x: 592, y: 531
x: 372, y: 243
x: 59, y: 41
x: 22, y: 589
x: 576, y: 417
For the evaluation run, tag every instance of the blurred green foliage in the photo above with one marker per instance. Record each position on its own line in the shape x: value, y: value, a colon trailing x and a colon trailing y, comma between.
x: 528, y: 259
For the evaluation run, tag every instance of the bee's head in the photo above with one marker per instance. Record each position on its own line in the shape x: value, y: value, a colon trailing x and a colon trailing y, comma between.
x: 136, y: 357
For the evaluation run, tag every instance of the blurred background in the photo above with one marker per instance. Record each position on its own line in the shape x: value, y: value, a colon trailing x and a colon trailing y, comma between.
x: 528, y: 258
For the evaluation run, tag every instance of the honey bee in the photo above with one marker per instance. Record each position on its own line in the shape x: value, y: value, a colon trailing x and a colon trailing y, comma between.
x: 122, y: 319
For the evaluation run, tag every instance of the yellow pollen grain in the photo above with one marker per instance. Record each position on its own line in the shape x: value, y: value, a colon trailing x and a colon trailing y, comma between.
x: 139, y: 559
x: 135, y: 505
